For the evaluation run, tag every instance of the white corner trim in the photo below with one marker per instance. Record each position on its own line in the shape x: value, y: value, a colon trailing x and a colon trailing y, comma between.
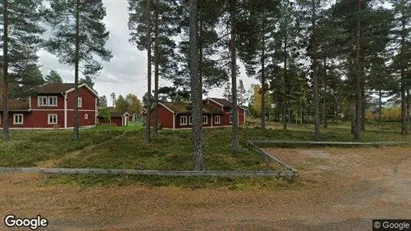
x: 159, y: 103
x: 83, y: 85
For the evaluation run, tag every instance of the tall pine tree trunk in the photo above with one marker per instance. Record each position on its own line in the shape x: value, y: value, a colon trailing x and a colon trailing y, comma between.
x: 363, y: 99
x: 404, y: 129
x: 6, y: 134
x: 156, y: 69
x: 325, y: 94
x: 196, y: 112
x: 233, y: 51
x: 314, y: 73
x: 379, y: 105
x: 148, y: 106
x: 263, y: 78
x: 285, y: 97
x: 408, y: 108
x: 76, y: 72
x: 358, y: 98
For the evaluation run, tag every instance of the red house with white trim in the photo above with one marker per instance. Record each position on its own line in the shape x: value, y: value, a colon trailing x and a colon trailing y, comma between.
x: 216, y: 113
x: 52, y: 106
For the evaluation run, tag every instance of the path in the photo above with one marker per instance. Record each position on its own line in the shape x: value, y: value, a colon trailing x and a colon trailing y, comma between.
x: 55, y: 162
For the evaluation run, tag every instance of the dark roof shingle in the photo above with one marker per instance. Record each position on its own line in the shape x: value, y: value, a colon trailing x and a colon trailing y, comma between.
x: 185, y: 107
x: 54, y: 88
x: 222, y: 101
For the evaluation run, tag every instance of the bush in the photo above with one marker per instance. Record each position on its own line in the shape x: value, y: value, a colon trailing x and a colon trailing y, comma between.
x: 391, y: 114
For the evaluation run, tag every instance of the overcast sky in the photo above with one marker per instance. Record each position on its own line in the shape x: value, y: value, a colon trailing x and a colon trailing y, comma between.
x: 127, y: 70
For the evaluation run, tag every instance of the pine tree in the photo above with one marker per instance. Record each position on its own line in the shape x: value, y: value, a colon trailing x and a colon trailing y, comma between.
x: 102, y: 101
x: 76, y: 42
x: 113, y: 98
x: 402, y: 39
x: 228, y: 92
x: 256, y: 21
x: 53, y: 77
x: 242, y: 94
x: 196, y: 112
x: 21, y: 32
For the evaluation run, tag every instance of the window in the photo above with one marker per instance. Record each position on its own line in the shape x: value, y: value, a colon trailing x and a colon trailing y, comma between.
x: 80, y: 102
x: 18, y: 119
x: 231, y: 119
x: 217, y: 119
x: 42, y: 101
x: 183, y: 120
x: 205, y: 119
x: 52, y: 101
x: 52, y: 119
x: 86, y: 116
x: 190, y: 121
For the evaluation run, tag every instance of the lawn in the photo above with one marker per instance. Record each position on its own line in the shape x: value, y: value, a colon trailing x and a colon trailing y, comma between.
x: 170, y: 150
x: 28, y: 147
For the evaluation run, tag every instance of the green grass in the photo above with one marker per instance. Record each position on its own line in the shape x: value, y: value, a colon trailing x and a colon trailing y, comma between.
x: 171, y: 150
x: 28, y: 147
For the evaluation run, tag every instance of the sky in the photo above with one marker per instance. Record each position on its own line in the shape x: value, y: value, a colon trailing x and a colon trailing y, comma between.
x: 127, y: 71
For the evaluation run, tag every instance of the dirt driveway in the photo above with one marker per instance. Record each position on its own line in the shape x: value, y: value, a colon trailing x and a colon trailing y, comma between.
x: 338, y: 189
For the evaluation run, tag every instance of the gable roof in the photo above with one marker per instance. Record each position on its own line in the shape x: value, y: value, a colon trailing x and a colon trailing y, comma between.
x: 58, y: 88
x: 54, y: 88
x: 224, y: 102
x: 221, y: 101
x: 185, y: 107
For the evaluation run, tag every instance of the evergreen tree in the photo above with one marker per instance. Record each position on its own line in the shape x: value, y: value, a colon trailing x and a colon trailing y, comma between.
x: 102, y: 101
x: 21, y: 30
x: 255, y: 23
x: 227, y: 92
x: 242, y: 94
x: 196, y: 94
x: 78, y: 36
x: 401, y: 40
x: 113, y: 98
x: 53, y: 77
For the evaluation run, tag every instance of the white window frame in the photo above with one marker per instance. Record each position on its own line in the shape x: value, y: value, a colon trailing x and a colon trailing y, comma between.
x: 40, y: 101
x: 51, y: 98
x: 15, y: 119
x: 206, y: 119
x: 49, y: 119
x: 183, y: 119
x: 231, y: 119
x: 86, y: 116
x: 79, y: 102
x: 190, y: 120
x: 217, y: 121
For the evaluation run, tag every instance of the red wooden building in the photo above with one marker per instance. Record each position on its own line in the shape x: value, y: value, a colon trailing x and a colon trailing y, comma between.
x: 216, y: 113
x: 52, y: 106
x: 117, y: 118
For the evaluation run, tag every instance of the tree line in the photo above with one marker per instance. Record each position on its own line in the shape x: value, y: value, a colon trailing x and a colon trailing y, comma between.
x: 77, y: 37
x: 315, y: 58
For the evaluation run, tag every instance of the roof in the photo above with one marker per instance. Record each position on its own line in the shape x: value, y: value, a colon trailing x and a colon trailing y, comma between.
x: 222, y: 102
x: 185, y: 107
x: 54, y: 88
x: 225, y: 102
x: 58, y: 88
x: 17, y: 105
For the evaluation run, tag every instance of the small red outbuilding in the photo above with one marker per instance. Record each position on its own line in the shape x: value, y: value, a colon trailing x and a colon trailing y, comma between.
x: 118, y: 118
